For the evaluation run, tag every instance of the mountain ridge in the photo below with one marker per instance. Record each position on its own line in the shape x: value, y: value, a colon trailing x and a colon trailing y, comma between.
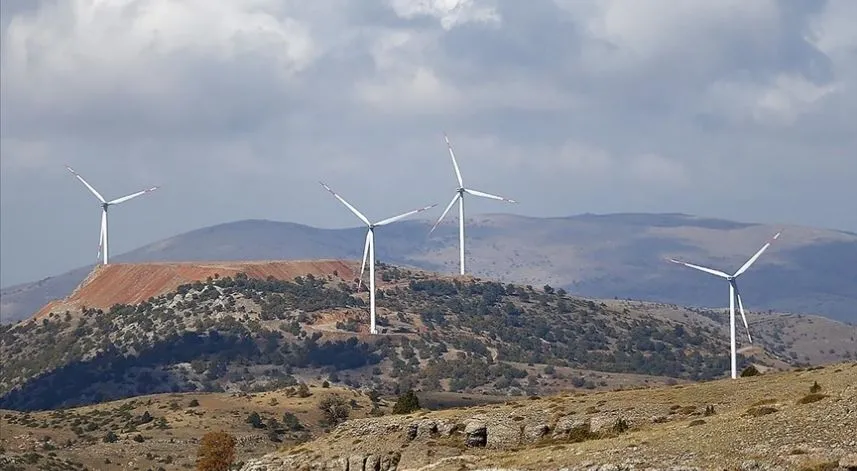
x: 621, y: 255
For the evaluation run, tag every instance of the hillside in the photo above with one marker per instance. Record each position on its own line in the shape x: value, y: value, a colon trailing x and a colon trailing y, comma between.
x: 164, y: 430
x: 808, y: 270
x: 765, y: 422
x: 134, y: 283
x: 242, y: 333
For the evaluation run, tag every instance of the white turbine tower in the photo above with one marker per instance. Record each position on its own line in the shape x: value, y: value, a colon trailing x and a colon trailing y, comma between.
x: 733, y: 294
x: 369, y: 249
x: 459, y: 196
x: 102, y: 239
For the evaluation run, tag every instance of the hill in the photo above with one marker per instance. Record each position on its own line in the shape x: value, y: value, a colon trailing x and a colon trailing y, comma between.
x: 764, y: 422
x: 163, y: 431
x: 465, y: 335
x: 599, y: 256
x: 134, y: 283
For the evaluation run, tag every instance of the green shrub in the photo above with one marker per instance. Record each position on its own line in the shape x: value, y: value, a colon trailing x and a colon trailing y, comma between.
x: 760, y: 411
x: 749, y: 371
x: 407, y: 403
x: 335, y: 409
x: 810, y: 398
x: 620, y: 426
x: 255, y: 420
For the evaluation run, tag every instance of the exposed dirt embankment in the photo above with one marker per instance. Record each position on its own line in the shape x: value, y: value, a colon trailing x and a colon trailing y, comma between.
x: 132, y: 283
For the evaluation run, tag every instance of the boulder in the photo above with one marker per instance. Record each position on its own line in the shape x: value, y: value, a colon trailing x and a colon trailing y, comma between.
x: 476, y: 434
x: 372, y: 463
x: 570, y: 426
x: 503, y: 434
x: 337, y: 464
x: 427, y: 429
x: 356, y: 462
x: 413, y: 429
x: 390, y: 461
x: 535, y: 431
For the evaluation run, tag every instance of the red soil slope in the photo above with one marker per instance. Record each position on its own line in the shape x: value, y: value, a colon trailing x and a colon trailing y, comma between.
x: 126, y: 283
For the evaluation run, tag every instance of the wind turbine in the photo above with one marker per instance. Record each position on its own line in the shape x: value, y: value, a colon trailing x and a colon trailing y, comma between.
x: 459, y: 196
x: 102, y: 239
x: 733, y: 294
x: 369, y: 249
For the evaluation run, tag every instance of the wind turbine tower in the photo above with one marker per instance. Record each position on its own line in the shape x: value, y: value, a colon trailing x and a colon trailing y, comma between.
x: 459, y: 196
x: 102, y: 239
x: 369, y: 248
x: 734, y: 294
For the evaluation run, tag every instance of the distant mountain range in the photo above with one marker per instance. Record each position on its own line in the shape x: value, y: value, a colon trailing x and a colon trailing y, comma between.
x: 807, y: 270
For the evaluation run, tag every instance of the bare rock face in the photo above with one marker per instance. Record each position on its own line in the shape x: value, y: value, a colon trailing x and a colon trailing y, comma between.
x: 603, y: 422
x: 504, y: 434
x: 570, y: 426
x: 476, y: 434
x: 427, y: 429
x: 357, y: 462
x: 534, y: 432
x: 849, y: 462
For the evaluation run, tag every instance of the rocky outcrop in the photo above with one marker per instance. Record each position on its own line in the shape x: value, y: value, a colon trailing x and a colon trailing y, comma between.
x: 379, y: 444
x: 604, y: 432
x: 356, y: 462
x: 476, y: 434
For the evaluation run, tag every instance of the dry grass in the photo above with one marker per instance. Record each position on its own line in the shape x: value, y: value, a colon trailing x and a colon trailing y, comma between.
x: 790, y: 435
x: 173, y: 447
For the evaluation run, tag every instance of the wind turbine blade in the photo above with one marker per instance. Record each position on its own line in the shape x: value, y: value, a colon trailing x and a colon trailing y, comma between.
x: 347, y: 205
x: 706, y: 270
x: 132, y: 196
x: 756, y: 257
x: 489, y: 195
x: 93, y: 190
x: 403, y: 216
x: 365, y: 257
x: 451, y: 203
x: 454, y: 163
x: 741, y: 308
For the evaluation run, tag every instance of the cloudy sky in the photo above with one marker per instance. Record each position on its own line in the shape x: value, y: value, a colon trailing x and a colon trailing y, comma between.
x: 737, y: 109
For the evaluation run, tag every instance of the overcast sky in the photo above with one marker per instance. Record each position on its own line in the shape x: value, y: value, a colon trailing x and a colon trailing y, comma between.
x: 737, y: 109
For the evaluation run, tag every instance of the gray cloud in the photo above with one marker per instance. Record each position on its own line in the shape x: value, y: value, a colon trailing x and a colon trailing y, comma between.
x: 734, y: 109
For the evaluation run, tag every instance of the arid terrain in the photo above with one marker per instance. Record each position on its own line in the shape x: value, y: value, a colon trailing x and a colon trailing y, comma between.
x: 169, y: 436
x: 140, y: 360
x: 132, y: 284
x: 764, y: 422
x: 768, y: 422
